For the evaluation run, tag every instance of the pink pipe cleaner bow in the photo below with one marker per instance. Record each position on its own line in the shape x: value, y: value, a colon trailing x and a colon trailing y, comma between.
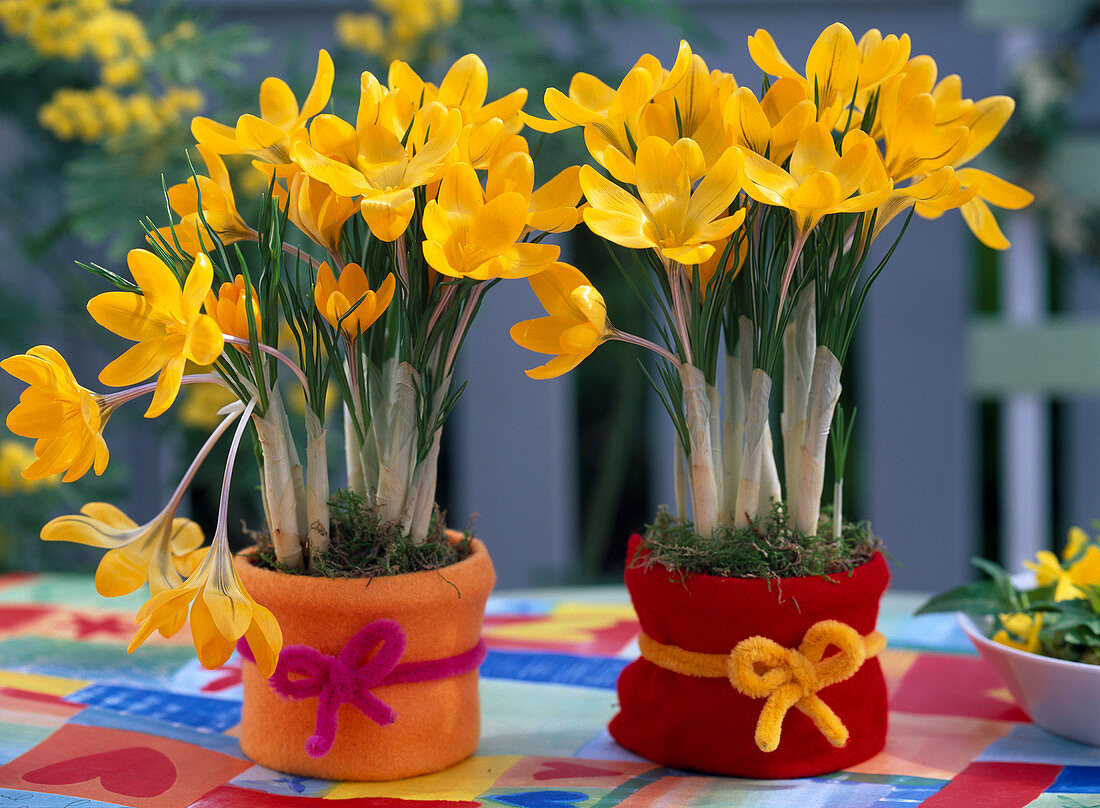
x: 368, y: 660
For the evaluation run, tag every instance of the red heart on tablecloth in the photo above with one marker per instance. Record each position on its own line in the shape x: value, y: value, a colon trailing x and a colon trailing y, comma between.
x: 135, y: 771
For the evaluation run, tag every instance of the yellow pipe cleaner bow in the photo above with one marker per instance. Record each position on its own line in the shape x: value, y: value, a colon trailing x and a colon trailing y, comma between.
x: 787, y: 677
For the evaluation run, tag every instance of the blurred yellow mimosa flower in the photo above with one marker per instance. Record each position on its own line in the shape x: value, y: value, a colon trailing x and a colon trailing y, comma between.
x: 166, y: 323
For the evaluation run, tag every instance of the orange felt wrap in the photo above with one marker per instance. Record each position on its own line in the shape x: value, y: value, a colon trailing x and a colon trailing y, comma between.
x: 438, y: 721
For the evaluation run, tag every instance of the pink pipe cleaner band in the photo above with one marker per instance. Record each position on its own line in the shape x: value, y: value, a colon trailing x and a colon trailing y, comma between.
x: 368, y: 660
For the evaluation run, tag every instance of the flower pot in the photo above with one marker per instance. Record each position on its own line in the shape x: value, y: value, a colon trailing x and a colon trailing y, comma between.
x: 377, y: 711
x: 706, y: 697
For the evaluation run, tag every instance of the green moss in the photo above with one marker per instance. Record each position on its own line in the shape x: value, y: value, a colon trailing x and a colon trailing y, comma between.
x: 362, y: 544
x: 768, y: 548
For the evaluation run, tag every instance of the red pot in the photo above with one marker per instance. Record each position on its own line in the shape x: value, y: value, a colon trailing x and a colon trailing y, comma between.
x: 703, y: 722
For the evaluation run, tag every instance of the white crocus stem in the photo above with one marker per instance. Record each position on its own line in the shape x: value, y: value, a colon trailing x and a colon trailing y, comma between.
x: 704, y: 480
x: 714, y: 403
x: 733, y: 433
x: 426, y: 474
x: 623, y: 336
x: 109, y: 402
x: 282, y: 357
x: 282, y: 494
x: 799, y: 341
x: 679, y: 313
x: 756, y: 417
x: 353, y: 457
x: 679, y: 480
x: 222, y: 528
x: 397, y: 445
x: 824, y: 394
x: 317, y: 515
x: 769, y: 474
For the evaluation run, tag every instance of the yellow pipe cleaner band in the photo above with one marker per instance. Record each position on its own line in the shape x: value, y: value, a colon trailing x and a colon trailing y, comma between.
x: 787, y: 677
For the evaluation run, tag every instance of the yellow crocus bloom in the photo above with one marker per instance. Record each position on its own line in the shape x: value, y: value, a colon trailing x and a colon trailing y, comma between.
x: 349, y: 303
x: 388, y: 165
x: 836, y: 66
x: 610, y: 115
x: 268, y: 136
x: 770, y: 127
x: 820, y: 181
x: 577, y: 324
x: 317, y: 210
x: 470, y: 235
x: 213, y: 197
x: 221, y: 613
x: 227, y: 307
x: 669, y: 215
x: 65, y: 419
x: 156, y: 552
x: 166, y: 323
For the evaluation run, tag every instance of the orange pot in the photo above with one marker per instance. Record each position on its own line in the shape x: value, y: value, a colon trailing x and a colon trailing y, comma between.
x: 437, y: 721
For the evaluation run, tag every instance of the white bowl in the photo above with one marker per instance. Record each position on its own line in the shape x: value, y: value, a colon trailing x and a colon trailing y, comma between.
x: 1061, y: 697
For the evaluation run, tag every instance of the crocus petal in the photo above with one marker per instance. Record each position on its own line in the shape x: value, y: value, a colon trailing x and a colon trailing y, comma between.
x: 120, y: 572
x: 278, y: 105
x: 168, y: 387
x: 542, y: 335
x: 265, y: 639
x: 322, y: 87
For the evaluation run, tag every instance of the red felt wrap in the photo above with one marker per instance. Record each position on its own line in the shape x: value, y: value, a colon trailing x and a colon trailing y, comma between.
x: 704, y: 724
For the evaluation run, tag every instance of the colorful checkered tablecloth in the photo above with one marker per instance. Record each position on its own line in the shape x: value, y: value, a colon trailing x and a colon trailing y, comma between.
x: 84, y: 724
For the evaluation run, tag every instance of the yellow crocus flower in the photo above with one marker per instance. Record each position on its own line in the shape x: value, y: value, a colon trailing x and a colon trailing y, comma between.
x: 268, y: 136
x: 221, y: 613
x: 166, y: 323
x: 669, y: 215
x: 213, y: 197
x: 770, y: 127
x: 577, y: 324
x: 156, y: 552
x: 985, y: 119
x: 610, y: 115
x: 820, y: 181
x: 65, y: 419
x: 467, y: 235
x: 317, y: 210
x: 349, y: 303
x: 227, y: 307
x: 388, y: 165
x: 836, y: 66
